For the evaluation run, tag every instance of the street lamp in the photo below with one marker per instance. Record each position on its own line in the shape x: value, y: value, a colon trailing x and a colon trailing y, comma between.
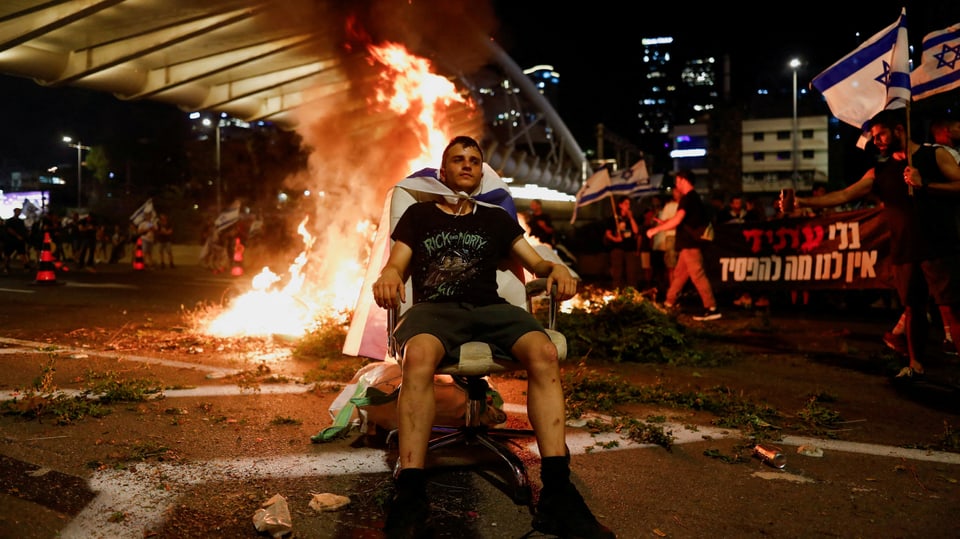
x: 206, y: 122
x: 80, y: 148
x: 794, y: 64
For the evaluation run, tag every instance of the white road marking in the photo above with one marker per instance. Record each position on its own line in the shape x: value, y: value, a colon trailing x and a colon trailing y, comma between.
x: 35, y: 346
x: 143, y: 497
x: 18, y: 291
x: 146, y: 494
x: 102, y: 285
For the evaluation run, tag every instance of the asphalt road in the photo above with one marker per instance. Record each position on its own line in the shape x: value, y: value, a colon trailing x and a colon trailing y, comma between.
x: 857, y: 488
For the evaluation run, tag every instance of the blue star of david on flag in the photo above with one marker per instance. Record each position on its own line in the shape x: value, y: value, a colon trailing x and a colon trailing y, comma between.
x: 874, y: 77
x: 939, y: 69
x: 942, y: 55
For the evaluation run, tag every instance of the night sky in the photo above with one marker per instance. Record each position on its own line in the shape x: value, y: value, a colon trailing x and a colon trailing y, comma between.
x: 590, y: 44
x: 592, y: 48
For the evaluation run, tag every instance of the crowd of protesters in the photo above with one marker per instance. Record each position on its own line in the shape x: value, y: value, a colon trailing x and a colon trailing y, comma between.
x: 79, y: 241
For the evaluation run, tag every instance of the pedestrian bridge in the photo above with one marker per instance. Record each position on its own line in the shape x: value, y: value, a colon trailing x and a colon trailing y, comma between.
x: 265, y: 60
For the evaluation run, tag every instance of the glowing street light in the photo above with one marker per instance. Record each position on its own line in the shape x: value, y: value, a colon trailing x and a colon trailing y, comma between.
x: 207, y: 122
x: 80, y: 148
x: 794, y: 65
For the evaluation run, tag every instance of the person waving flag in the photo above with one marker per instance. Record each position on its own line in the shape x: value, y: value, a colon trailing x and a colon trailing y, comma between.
x: 872, y: 78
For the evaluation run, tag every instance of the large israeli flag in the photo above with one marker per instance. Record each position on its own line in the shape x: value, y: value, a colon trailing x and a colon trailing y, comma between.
x: 939, y: 68
x: 872, y: 78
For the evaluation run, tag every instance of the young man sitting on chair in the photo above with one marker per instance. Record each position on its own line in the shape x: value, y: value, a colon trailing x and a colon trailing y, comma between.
x: 451, y: 249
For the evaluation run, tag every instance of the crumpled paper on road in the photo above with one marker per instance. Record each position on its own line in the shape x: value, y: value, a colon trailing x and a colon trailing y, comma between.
x: 328, y: 502
x: 274, y: 517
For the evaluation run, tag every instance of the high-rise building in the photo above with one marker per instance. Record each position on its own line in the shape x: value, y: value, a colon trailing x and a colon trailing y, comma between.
x: 509, y: 113
x: 673, y: 91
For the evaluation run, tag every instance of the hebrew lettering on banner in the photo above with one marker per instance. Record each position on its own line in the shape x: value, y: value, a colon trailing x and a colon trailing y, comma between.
x: 837, y: 250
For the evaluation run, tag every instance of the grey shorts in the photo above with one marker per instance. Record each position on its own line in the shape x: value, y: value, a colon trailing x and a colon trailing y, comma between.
x: 501, y: 324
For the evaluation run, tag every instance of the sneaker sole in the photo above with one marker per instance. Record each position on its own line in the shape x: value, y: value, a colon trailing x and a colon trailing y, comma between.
x: 708, y: 317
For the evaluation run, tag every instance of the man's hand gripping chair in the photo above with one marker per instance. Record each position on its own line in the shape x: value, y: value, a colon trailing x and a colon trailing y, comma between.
x: 472, y: 362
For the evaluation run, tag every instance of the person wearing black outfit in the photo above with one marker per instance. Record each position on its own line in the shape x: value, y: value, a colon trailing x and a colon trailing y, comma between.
x: 15, y: 234
x: 690, y: 221
x: 924, y: 240
x: 451, y: 248
x: 540, y: 223
x: 620, y: 237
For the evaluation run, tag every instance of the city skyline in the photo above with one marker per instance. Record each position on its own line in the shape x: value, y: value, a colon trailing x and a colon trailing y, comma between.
x: 590, y: 51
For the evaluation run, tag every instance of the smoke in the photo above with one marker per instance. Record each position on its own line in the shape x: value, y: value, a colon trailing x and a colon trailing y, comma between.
x: 357, y: 148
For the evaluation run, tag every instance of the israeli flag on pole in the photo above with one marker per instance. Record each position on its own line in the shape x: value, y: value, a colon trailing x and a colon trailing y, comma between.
x: 631, y: 180
x: 597, y: 187
x: 872, y: 78
x: 939, y: 69
x: 227, y: 218
x: 141, y: 213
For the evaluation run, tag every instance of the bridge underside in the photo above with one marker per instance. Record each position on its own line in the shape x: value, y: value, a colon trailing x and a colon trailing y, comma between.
x: 284, y: 62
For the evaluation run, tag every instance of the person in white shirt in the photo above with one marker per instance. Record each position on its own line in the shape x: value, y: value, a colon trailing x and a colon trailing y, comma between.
x: 664, y: 243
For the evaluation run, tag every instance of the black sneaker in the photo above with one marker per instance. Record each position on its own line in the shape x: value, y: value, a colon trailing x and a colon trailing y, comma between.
x: 408, y: 517
x: 949, y: 348
x: 564, y: 513
x: 711, y: 314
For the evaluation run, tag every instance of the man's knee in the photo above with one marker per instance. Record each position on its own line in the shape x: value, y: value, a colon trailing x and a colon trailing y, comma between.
x: 538, y: 353
x: 421, y: 355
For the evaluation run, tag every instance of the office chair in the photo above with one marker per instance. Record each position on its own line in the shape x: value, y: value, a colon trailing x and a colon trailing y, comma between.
x: 473, y: 362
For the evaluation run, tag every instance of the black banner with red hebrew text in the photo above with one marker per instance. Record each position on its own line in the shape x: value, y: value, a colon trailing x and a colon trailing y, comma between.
x: 838, y: 250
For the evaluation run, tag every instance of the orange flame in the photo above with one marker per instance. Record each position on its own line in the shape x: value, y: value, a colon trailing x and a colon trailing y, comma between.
x: 410, y: 86
x: 325, y: 280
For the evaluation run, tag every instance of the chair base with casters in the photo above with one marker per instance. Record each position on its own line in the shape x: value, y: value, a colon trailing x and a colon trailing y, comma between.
x: 475, y: 361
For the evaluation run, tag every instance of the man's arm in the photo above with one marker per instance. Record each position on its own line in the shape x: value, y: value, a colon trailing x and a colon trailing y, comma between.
x: 389, y: 290
x: 948, y: 167
x: 669, y: 224
x: 557, y: 274
x: 835, y: 198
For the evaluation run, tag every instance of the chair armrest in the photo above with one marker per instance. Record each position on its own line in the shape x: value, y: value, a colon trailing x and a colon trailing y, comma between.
x: 392, y: 348
x: 538, y: 287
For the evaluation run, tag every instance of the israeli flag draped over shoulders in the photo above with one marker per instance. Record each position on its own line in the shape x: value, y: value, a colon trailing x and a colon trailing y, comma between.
x: 493, y: 190
x: 872, y: 78
x: 939, y: 69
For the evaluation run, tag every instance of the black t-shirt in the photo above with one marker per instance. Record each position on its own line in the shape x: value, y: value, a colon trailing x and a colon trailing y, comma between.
x: 695, y: 219
x: 937, y: 212
x: 629, y: 242
x: 922, y: 225
x: 455, y: 258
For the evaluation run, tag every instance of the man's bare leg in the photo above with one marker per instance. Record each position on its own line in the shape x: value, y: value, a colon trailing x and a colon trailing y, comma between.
x: 545, y: 402
x: 416, y: 405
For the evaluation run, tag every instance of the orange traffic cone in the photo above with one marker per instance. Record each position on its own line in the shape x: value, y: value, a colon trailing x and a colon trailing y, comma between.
x: 46, y: 271
x: 237, y: 269
x: 138, y: 264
